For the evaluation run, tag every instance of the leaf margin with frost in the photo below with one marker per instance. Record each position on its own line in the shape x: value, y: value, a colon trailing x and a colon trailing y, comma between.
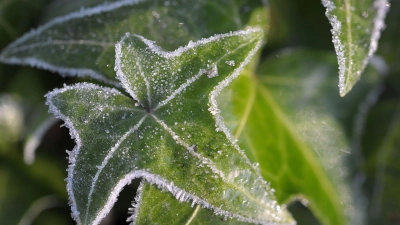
x: 345, y: 52
x: 180, y: 194
x: 103, y: 73
x: 322, y: 63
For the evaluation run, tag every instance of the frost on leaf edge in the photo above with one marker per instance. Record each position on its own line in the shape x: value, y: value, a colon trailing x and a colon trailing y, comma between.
x: 64, y: 71
x: 178, y: 193
x: 74, y: 134
x: 214, y: 110
x: 381, y: 6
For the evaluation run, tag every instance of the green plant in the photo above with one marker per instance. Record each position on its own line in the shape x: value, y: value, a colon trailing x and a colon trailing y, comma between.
x: 170, y: 107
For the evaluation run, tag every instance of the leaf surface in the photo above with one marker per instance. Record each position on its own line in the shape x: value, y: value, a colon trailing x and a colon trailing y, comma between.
x: 171, y: 210
x: 289, y: 120
x: 356, y: 29
x: 170, y: 133
x: 83, y: 41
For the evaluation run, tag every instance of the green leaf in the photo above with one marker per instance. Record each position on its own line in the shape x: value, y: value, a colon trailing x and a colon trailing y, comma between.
x: 380, y: 147
x: 288, y: 119
x: 170, y: 133
x: 57, y: 8
x: 356, y: 28
x: 82, y: 43
x: 170, y: 209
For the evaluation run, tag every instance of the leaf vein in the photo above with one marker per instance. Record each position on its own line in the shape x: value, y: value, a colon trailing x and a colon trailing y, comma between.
x: 105, y: 161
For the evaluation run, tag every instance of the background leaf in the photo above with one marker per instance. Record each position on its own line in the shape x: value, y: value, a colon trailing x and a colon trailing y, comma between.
x: 356, y: 28
x: 84, y: 41
x: 291, y: 121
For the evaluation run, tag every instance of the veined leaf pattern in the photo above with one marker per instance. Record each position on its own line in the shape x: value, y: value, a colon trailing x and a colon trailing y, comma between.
x: 170, y: 133
x: 356, y: 29
x: 83, y: 41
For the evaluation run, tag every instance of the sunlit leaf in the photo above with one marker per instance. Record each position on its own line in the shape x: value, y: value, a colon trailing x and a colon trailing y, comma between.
x: 356, y: 29
x: 170, y: 133
x: 288, y: 118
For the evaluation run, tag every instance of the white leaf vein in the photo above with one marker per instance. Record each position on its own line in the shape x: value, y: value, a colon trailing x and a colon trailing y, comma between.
x: 105, y: 161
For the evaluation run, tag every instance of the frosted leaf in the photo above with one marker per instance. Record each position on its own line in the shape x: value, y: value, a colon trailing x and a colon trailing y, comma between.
x: 300, y: 115
x: 82, y: 43
x: 356, y: 29
x: 184, y: 212
x: 167, y: 87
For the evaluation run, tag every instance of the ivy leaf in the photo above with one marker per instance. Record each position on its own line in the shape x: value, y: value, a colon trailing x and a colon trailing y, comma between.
x: 170, y: 133
x: 83, y: 41
x: 289, y: 119
x: 356, y: 29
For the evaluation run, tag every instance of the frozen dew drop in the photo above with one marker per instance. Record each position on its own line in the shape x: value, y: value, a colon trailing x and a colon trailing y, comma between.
x: 213, y: 72
x: 107, y: 131
x: 230, y: 62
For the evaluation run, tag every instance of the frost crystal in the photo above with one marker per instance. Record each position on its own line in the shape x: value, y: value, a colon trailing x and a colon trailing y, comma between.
x: 213, y: 72
x: 230, y: 62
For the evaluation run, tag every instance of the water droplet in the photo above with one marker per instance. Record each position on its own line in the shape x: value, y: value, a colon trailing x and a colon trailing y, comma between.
x: 364, y: 14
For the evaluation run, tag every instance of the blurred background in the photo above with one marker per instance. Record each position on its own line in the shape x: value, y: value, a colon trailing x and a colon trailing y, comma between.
x: 33, y: 160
